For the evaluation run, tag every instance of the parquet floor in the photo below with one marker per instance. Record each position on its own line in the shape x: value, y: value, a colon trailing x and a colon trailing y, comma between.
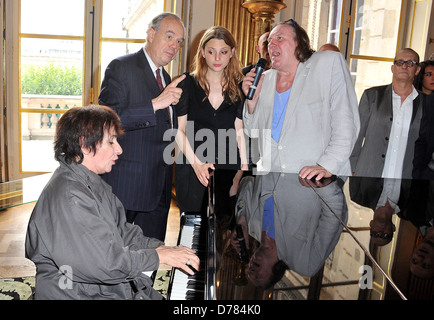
x: 13, y: 226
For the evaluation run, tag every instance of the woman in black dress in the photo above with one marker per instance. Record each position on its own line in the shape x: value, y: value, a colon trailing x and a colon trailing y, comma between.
x: 210, y: 128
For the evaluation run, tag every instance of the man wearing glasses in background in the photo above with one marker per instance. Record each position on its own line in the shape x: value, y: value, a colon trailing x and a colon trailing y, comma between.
x: 389, y: 123
x: 390, y: 117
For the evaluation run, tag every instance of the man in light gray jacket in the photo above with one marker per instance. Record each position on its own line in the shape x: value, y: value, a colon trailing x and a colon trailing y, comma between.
x: 304, y: 230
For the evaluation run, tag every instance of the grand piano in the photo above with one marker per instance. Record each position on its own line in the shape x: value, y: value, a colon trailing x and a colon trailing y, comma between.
x: 325, y: 236
x: 363, y: 263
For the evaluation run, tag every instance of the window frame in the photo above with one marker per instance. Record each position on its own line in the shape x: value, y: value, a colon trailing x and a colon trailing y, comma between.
x: 10, y: 138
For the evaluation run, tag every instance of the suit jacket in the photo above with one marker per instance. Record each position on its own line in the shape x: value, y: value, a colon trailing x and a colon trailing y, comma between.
x: 321, y: 123
x: 306, y: 231
x: 367, y: 191
x: 424, y: 147
x: 141, y: 173
x: 376, y: 116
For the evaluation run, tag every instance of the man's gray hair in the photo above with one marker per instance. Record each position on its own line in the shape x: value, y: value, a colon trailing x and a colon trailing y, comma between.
x: 156, y: 22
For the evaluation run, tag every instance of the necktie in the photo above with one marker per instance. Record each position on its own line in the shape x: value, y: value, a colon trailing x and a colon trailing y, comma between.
x: 160, y: 85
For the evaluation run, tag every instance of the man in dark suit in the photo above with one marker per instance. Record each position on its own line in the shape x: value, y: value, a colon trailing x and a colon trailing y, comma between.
x: 390, y: 119
x: 142, y: 178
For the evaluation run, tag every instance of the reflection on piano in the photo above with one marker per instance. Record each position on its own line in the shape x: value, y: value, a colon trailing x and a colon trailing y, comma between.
x: 202, y: 232
x: 199, y: 234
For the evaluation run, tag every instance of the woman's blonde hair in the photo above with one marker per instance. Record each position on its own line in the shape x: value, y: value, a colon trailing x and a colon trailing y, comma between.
x: 232, y: 74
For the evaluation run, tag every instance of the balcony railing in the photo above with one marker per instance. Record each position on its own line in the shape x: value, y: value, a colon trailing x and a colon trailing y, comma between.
x: 42, y: 125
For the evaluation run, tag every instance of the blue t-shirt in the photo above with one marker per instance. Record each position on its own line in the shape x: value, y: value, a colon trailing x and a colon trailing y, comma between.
x: 268, y: 218
x: 279, y: 110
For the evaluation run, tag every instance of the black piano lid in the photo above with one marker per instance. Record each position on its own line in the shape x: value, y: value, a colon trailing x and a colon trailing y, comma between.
x: 327, y: 241
x: 361, y: 265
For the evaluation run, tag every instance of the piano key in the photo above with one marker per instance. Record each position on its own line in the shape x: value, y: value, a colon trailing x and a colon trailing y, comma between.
x: 184, y: 286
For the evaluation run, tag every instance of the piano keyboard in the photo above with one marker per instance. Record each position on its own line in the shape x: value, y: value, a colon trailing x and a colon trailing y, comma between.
x: 185, y: 286
x: 198, y: 235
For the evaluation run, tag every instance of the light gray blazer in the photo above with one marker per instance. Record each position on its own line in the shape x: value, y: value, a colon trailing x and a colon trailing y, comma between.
x: 321, y: 123
x: 305, y: 228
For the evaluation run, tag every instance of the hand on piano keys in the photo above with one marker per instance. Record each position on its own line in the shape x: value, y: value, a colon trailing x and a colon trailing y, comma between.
x: 180, y: 257
x: 186, y: 286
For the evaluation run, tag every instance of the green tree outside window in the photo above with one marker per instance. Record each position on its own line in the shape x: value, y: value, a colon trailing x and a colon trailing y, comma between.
x: 52, y: 80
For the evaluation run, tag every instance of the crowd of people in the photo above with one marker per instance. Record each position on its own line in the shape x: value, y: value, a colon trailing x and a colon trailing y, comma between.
x: 104, y: 212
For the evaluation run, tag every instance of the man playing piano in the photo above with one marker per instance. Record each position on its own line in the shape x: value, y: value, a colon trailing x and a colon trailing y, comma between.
x: 78, y: 236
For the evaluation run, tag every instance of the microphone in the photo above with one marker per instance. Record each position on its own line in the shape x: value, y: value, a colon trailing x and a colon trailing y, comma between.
x: 260, y: 65
x: 243, y: 254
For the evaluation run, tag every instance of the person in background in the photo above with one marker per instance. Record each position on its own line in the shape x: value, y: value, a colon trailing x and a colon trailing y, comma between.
x: 262, y: 50
x: 390, y: 117
x: 424, y: 80
x: 77, y: 235
x: 423, y: 162
x: 138, y: 88
x: 329, y: 46
x: 304, y: 108
x: 211, y: 102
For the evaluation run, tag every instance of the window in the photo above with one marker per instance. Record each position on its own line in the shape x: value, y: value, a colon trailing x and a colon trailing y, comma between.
x: 322, y: 21
x: 373, y: 35
x: 374, y: 42
x: 64, y: 48
x: 124, y: 28
x: 51, y: 73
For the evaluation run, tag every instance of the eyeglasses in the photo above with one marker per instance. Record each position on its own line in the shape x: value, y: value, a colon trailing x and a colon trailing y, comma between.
x: 294, y: 24
x: 408, y: 63
x: 381, y: 235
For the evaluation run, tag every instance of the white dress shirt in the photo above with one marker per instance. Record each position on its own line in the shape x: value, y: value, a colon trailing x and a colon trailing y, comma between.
x: 154, y: 68
x: 402, y: 113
